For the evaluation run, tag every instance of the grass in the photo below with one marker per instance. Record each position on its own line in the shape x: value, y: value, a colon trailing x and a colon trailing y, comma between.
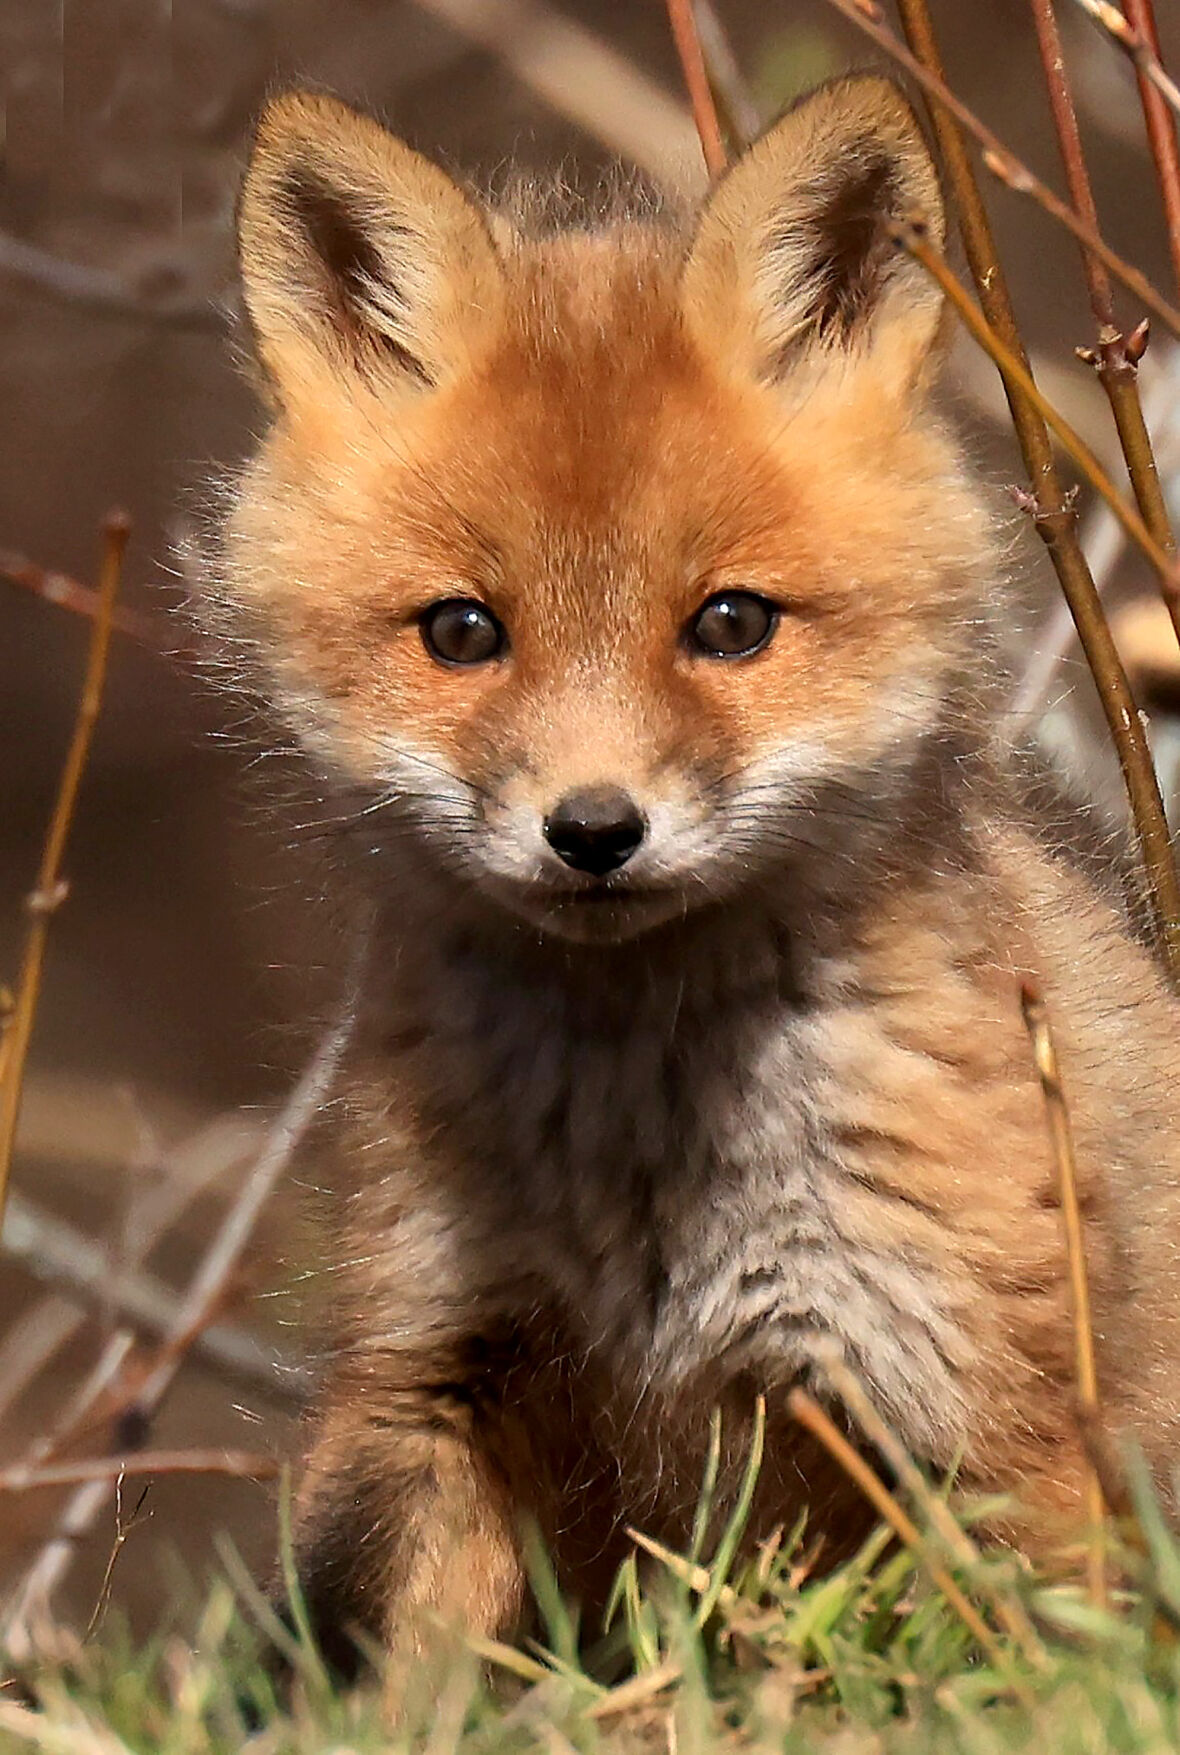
x: 766, y: 1653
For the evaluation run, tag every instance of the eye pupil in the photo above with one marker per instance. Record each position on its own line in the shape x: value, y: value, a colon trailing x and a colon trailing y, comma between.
x: 461, y: 631
x: 733, y: 624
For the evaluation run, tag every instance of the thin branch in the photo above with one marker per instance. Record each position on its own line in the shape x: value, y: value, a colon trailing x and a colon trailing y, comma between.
x: 999, y: 159
x: 1054, y: 518
x: 913, y: 235
x: 810, y: 1415
x: 741, y: 119
x: 685, y: 35
x: 97, y: 289
x: 1156, y: 93
x: 50, y: 890
x: 1061, y: 1135
x: 1054, y: 521
x: 1103, y: 539
x: 1139, y: 44
x: 124, y: 1527
x: 1116, y: 357
x: 59, y: 588
x: 103, y: 1375
x: 187, y: 1170
x: 59, y: 1255
x: 243, y: 1465
x: 198, y: 1309
x: 29, y: 1613
x: 698, y: 1578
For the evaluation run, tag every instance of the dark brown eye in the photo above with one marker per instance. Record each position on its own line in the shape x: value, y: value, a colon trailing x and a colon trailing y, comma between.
x: 461, y: 631
x: 733, y: 624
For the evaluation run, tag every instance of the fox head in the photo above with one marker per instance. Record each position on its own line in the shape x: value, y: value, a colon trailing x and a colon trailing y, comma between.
x: 593, y: 562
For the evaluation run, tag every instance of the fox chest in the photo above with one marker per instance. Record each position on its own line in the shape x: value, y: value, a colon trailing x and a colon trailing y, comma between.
x: 686, y: 1195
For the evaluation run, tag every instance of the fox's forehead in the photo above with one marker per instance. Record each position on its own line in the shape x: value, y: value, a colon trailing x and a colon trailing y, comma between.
x: 593, y: 356
x: 581, y: 292
x: 595, y: 422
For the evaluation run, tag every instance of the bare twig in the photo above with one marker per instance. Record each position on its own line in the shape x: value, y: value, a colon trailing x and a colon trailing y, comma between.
x: 187, y: 1171
x: 1054, y: 521
x: 999, y: 159
x: 242, y: 1465
x: 637, y: 1690
x: 812, y: 1416
x: 1103, y: 538
x: 1010, y: 1612
x: 690, y: 1572
x: 98, y: 290
x: 28, y: 1344
x: 50, y: 890
x: 913, y: 235
x: 1134, y: 31
x: 94, y: 1386
x: 200, y: 1305
x: 69, y: 593
x: 61, y: 1256
x: 29, y: 1614
x: 1116, y: 357
x: 683, y: 23
x: 1156, y: 93
x: 1061, y: 1134
x: 1054, y: 518
x: 585, y: 79
x: 124, y: 1527
x: 740, y: 117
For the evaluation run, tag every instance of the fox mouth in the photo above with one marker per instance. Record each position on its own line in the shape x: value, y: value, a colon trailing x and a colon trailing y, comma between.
x: 601, y: 893
x: 594, y: 912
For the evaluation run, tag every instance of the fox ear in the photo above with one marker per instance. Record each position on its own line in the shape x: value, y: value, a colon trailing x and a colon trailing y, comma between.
x: 792, y: 253
x: 358, y: 256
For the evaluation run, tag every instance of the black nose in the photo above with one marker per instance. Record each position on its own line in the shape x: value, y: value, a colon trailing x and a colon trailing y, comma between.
x: 595, y: 830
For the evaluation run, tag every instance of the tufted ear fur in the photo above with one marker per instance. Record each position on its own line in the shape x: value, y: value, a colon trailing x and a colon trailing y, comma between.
x: 792, y: 261
x: 359, y: 257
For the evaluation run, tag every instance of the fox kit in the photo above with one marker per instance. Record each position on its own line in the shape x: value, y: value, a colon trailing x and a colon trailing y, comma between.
x: 631, y: 603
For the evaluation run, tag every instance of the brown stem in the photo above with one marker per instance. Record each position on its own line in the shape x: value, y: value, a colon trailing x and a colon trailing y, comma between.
x: 59, y: 1255
x: 912, y: 236
x: 1061, y: 1135
x: 696, y: 80
x: 59, y: 588
x: 1134, y: 31
x: 1160, y: 121
x: 27, y: 1610
x: 1114, y: 359
x: 50, y: 890
x: 1053, y: 517
x: 1053, y: 513
x: 239, y: 1464
x: 1000, y: 160
x: 740, y: 117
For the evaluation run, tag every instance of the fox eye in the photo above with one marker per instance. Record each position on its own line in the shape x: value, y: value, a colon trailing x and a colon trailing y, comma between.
x: 461, y: 631
x: 733, y: 624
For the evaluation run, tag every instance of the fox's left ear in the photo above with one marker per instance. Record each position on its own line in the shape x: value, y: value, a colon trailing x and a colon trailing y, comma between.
x: 792, y: 260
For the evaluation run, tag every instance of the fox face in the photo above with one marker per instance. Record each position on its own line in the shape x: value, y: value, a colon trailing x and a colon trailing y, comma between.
x: 608, y: 571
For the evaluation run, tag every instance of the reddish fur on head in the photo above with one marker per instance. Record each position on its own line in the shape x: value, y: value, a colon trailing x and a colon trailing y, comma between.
x: 592, y: 432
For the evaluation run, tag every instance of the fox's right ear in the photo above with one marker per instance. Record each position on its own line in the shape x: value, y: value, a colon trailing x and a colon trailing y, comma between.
x: 358, y: 256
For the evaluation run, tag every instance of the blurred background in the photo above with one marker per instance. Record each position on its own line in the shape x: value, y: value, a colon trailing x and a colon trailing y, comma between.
x: 190, y: 962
